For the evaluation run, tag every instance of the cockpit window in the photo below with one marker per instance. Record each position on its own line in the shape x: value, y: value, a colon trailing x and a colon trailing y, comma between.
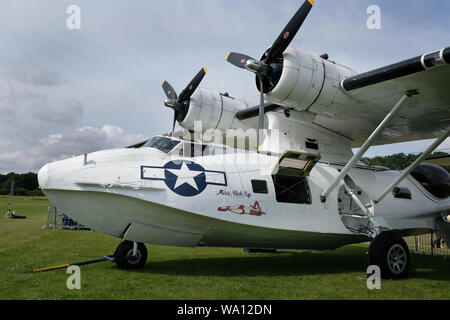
x: 162, y: 144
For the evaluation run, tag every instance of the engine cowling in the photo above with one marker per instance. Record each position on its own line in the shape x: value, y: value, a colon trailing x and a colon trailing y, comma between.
x: 309, y: 82
x: 214, y: 111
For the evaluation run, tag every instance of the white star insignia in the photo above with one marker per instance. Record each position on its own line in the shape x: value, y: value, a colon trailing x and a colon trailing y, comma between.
x: 184, y: 175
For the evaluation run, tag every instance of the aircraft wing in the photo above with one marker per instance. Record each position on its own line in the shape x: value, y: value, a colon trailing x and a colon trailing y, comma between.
x: 426, y: 116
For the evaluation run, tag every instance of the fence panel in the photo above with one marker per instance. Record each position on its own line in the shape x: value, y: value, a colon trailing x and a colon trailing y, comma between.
x: 428, y: 243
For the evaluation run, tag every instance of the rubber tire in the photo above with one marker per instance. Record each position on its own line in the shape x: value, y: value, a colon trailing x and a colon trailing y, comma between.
x: 124, y: 250
x: 378, y: 254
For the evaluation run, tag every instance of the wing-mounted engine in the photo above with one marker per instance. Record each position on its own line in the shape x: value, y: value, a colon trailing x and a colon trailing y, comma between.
x: 198, y: 109
x: 215, y: 111
x: 297, y: 79
x: 309, y: 82
x: 300, y: 82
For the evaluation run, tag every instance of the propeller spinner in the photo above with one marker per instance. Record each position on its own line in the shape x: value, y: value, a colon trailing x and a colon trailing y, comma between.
x: 268, y: 69
x: 180, y: 104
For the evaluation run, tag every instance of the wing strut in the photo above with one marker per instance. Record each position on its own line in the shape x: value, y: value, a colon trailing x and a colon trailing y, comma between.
x: 375, y: 134
x: 414, y: 165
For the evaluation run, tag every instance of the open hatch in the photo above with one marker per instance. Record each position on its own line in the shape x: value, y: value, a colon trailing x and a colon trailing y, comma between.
x: 296, y: 164
x: 290, y: 176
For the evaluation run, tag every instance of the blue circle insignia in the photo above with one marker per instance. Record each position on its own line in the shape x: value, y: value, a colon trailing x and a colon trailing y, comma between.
x: 185, y: 178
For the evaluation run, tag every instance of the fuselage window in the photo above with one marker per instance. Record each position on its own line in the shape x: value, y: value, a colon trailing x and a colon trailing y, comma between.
x: 259, y: 186
x: 292, y: 189
x: 402, y: 193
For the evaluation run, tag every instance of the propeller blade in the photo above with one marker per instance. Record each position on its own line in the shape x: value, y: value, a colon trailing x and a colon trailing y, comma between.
x: 289, y: 32
x: 177, y: 103
x: 238, y: 59
x: 192, y: 86
x: 169, y: 91
x: 261, y: 113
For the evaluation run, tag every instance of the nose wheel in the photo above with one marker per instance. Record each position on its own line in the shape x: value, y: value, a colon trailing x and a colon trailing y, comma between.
x: 130, y: 255
x: 391, y: 253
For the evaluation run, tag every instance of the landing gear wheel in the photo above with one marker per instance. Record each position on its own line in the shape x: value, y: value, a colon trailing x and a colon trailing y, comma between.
x: 124, y: 258
x: 391, y: 253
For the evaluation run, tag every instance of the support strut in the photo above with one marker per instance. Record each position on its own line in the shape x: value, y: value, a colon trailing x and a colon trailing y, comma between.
x: 368, y: 143
x: 414, y: 165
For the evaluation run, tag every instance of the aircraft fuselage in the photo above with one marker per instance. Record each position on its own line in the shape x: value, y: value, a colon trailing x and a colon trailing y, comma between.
x: 150, y: 196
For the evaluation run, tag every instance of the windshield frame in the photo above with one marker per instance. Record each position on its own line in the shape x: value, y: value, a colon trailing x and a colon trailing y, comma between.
x: 156, y: 143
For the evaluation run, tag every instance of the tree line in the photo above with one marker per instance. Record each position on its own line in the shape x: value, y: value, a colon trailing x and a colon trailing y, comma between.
x: 397, y: 161
x: 25, y: 184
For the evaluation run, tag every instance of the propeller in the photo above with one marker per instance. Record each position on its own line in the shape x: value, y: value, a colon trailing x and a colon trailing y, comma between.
x: 180, y: 104
x: 268, y: 69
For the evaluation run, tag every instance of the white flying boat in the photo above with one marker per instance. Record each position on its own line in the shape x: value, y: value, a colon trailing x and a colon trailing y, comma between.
x: 299, y: 185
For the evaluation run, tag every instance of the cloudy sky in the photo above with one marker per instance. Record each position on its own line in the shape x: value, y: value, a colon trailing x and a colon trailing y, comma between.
x: 65, y: 92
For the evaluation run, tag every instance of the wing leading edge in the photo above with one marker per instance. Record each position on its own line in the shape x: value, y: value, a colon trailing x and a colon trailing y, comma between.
x: 398, y: 70
x: 426, y: 116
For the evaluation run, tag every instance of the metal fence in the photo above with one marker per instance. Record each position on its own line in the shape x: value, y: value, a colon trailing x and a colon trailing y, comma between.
x: 428, y: 243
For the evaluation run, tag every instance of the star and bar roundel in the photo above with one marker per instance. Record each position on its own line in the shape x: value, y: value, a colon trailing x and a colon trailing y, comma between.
x: 185, y: 178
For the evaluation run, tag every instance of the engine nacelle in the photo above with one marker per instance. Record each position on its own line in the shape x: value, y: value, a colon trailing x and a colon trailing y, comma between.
x: 309, y: 82
x: 214, y: 111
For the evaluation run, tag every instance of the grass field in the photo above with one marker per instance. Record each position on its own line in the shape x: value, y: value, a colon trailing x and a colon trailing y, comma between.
x: 200, y: 273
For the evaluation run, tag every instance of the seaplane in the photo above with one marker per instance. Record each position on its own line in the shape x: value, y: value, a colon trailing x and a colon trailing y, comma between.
x: 279, y: 175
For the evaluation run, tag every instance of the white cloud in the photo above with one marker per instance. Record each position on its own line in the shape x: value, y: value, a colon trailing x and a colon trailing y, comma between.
x: 60, y: 146
x: 51, y: 139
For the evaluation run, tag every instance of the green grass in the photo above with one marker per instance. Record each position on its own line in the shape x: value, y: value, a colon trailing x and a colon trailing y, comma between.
x: 200, y: 273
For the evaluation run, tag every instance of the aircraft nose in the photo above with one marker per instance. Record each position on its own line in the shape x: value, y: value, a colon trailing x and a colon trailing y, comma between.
x: 43, y: 177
